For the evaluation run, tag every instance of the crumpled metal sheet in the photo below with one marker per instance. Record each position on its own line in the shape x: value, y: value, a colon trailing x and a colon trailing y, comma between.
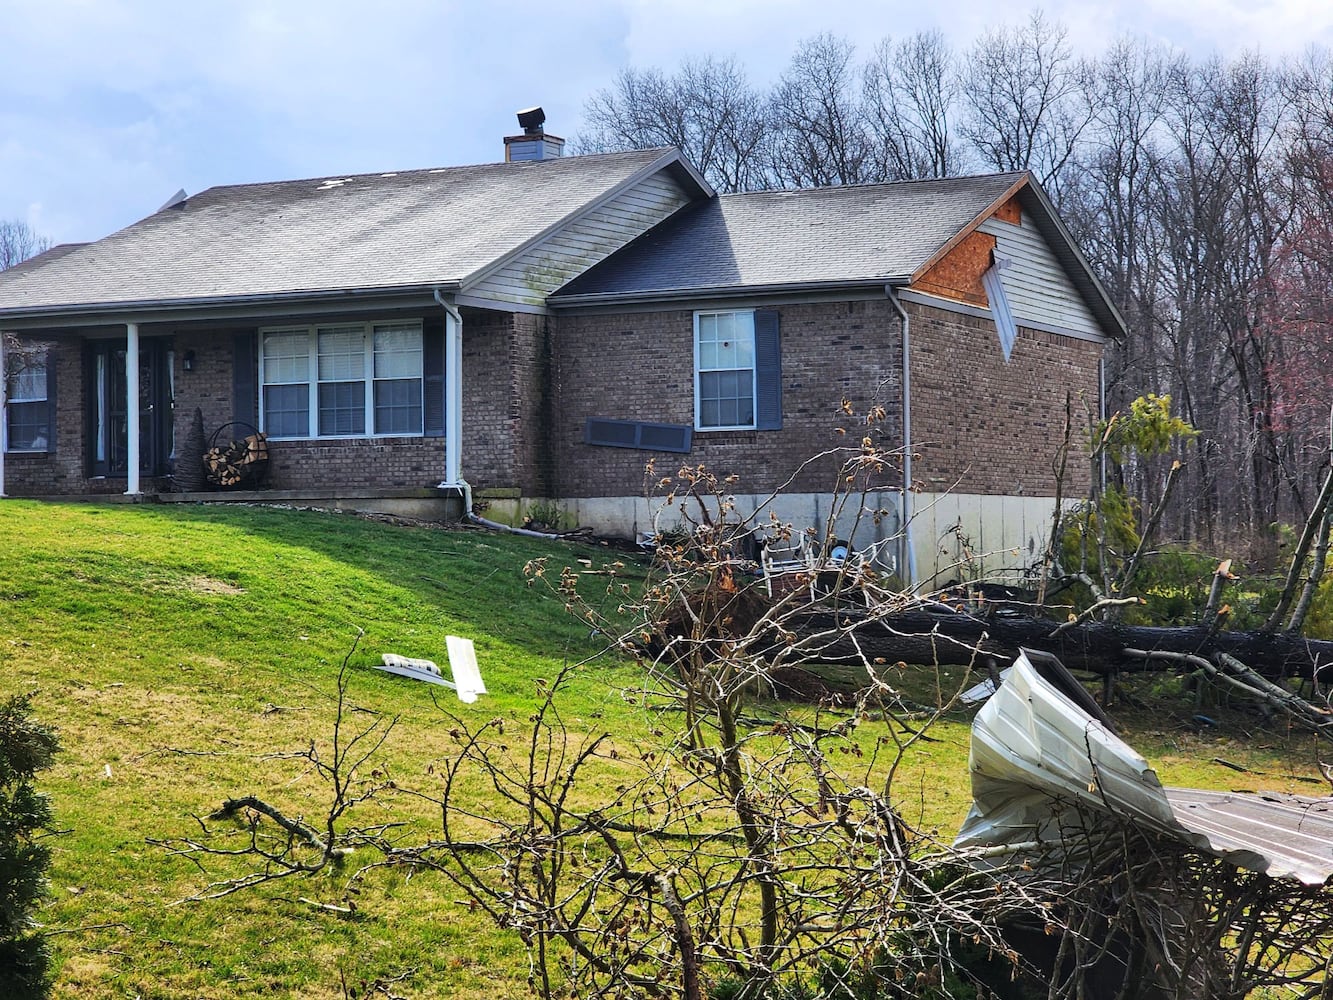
x: 1036, y: 756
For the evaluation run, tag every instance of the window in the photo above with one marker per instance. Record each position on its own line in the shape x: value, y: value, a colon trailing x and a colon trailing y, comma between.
x: 724, y: 370
x: 356, y: 380
x: 737, y: 371
x: 29, y: 417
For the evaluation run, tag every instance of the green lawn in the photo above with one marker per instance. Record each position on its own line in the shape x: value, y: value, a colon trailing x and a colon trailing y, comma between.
x: 186, y: 652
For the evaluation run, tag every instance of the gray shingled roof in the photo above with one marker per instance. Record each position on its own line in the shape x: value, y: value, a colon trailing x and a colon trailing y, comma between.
x: 771, y: 239
x: 372, y: 231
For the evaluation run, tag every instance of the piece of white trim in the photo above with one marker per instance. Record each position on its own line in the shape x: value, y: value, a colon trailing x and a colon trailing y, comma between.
x: 132, y: 487
x: 462, y: 664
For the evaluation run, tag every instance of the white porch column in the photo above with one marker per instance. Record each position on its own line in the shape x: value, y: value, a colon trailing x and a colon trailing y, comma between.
x: 453, y: 398
x: 132, y: 407
x: 4, y: 412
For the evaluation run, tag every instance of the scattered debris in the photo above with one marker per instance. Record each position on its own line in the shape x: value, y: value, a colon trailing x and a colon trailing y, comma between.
x: 1038, y: 756
x: 462, y: 663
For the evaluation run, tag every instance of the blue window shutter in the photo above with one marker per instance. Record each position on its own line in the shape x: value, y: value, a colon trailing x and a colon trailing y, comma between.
x: 611, y: 433
x: 51, y: 400
x: 999, y: 307
x: 432, y: 383
x: 768, y: 371
x: 244, y: 376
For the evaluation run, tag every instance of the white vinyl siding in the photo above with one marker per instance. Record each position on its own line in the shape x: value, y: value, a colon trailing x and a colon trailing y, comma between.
x: 565, y: 254
x: 1039, y: 290
x: 341, y: 381
x: 724, y: 371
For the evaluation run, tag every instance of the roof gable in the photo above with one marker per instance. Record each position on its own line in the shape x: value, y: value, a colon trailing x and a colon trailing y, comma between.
x: 418, y: 228
x: 870, y: 234
x: 823, y: 238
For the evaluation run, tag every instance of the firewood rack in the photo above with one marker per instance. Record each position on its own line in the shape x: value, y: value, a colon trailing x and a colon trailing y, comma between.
x: 237, y: 456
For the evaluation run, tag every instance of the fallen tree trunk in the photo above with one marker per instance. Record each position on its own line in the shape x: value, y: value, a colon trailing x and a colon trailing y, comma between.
x: 942, y: 635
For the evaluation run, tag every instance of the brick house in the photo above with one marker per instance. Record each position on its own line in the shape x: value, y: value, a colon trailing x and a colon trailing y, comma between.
x: 537, y: 329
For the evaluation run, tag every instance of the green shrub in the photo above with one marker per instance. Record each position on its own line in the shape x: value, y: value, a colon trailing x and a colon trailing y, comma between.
x: 26, y: 747
x: 1319, y: 619
x: 1079, y: 540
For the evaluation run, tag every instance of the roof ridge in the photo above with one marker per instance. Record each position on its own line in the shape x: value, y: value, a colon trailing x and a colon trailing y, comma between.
x: 905, y: 182
x: 497, y: 164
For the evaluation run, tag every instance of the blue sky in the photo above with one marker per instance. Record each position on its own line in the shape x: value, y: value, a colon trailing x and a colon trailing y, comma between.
x: 107, y: 107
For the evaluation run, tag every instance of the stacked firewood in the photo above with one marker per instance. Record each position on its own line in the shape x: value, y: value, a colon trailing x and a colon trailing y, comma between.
x: 237, y: 463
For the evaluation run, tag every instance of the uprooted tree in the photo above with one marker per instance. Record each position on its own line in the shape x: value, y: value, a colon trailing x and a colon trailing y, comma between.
x: 745, y: 852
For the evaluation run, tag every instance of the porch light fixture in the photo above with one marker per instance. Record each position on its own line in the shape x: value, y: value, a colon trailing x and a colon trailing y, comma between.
x: 187, y: 362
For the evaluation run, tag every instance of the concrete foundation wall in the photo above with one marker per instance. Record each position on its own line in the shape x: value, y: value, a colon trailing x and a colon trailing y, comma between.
x: 955, y: 536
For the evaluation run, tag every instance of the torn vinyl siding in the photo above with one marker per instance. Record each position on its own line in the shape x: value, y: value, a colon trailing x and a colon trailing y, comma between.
x: 1039, y: 291
x: 565, y: 254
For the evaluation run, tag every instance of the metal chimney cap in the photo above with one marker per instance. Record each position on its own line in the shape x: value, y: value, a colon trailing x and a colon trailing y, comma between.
x: 531, y: 120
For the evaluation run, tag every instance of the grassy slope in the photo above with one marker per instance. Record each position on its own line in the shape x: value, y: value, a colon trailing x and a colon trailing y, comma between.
x: 176, y: 647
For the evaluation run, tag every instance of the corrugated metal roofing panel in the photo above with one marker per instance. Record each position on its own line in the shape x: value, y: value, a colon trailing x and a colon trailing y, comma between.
x: 1034, y: 752
x: 1287, y: 836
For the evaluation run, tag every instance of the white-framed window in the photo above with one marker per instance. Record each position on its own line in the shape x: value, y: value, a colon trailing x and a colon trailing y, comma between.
x: 724, y: 371
x: 28, y: 420
x: 341, y: 380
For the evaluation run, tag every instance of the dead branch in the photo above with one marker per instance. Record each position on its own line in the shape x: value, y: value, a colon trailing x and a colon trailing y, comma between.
x: 301, y: 831
x: 1312, y: 523
x: 1094, y: 610
x: 1235, y: 675
x: 1221, y: 576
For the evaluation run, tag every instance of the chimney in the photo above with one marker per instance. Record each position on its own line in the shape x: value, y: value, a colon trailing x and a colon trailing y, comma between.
x: 534, y: 143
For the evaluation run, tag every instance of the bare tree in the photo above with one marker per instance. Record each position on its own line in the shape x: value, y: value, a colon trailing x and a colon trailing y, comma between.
x: 1026, y: 98
x: 910, y: 93
x: 707, y: 109
x: 820, y: 135
x: 18, y: 242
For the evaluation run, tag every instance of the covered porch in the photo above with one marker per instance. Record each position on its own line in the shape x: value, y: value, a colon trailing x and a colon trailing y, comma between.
x: 353, y: 403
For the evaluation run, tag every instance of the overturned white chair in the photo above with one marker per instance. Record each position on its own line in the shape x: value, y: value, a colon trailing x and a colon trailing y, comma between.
x: 462, y: 664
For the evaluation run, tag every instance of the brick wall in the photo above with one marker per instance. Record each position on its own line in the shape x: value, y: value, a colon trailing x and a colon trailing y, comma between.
x: 640, y: 366
x: 356, y: 463
x: 62, y: 471
x: 530, y: 409
x: 488, y: 439
x: 208, y: 386
x: 981, y: 425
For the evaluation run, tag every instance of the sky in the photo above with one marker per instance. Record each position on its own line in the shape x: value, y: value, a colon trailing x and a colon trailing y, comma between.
x: 108, y: 107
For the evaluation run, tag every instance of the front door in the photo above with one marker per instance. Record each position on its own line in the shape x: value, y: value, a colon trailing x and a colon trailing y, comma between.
x: 109, y: 410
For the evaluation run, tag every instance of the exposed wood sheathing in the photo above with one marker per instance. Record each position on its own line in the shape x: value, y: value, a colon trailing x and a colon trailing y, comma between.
x: 958, y: 275
x: 1010, y: 211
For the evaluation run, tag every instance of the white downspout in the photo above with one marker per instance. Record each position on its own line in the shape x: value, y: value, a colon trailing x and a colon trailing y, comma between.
x: 453, y: 420
x: 132, y: 407
x: 4, y: 412
x: 453, y: 400
x: 908, y: 561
